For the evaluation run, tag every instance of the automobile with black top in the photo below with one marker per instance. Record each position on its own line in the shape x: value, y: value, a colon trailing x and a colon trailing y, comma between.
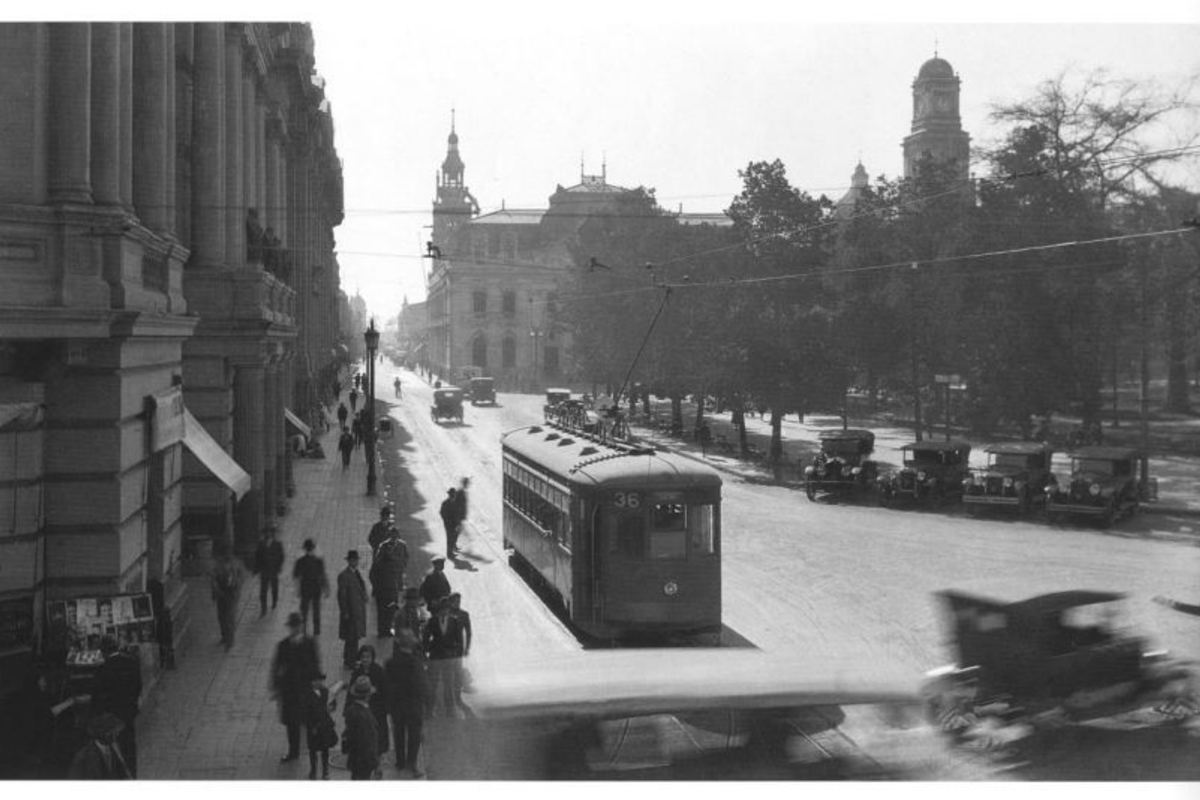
x: 1103, y: 486
x: 841, y: 467
x: 1013, y: 479
x: 932, y: 474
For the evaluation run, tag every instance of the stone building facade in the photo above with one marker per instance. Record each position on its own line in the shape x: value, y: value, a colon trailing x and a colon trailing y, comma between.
x: 936, y: 124
x: 168, y: 193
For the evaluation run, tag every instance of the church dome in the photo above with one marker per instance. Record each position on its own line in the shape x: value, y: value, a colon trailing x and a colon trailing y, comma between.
x: 936, y: 68
x: 453, y: 138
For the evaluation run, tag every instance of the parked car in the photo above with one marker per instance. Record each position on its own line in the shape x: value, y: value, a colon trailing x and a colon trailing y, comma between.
x: 841, y: 466
x: 1015, y: 477
x: 1057, y: 657
x: 482, y: 390
x: 689, y: 714
x: 1103, y: 486
x: 933, y: 472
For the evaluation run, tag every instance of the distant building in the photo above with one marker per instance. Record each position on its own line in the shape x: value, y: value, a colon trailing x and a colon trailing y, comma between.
x: 936, y: 124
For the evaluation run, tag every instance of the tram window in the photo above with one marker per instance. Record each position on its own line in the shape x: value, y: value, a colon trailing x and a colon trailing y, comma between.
x: 702, y: 530
x: 630, y: 539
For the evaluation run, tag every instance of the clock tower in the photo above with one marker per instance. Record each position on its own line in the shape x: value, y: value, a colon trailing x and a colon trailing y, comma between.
x: 936, y: 125
x: 454, y: 204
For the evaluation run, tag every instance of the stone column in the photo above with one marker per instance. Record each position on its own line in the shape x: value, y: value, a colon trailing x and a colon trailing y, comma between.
x: 272, y: 213
x: 106, y: 113
x: 151, y: 74
x: 249, y: 145
x: 235, y: 196
x: 249, y: 403
x: 70, y: 112
x: 269, y: 442
x: 288, y: 389
x: 125, y: 174
x: 208, y: 146
x: 169, y: 111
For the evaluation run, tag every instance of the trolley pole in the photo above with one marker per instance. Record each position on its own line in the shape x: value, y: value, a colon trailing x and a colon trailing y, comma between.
x: 371, y: 337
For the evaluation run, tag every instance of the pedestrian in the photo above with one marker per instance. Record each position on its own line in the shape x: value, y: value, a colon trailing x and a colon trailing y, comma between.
x: 357, y: 430
x: 387, y: 580
x: 443, y: 645
x: 320, y: 729
x: 447, y: 511
x: 309, y: 573
x: 396, y: 385
x: 358, y: 380
x: 117, y: 689
x: 360, y: 739
x: 408, y: 699
x: 353, y: 400
x: 101, y: 758
x: 369, y: 665
x: 460, y: 509
x: 268, y: 563
x: 352, y: 608
x: 293, y: 669
x: 380, y: 531
x: 464, y: 623
x: 346, y: 446
x: 226, y: 586
x: 342, y: 414
x: 436, y: 585
x: 412, y: 616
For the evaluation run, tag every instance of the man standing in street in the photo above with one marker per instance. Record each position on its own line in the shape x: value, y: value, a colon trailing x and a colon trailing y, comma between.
x: 381, y: 530
x: 436, y: 585
x: 444, y: 642
x: 387, y: 580
x: 268, y: 563
x: 361, y: 739
x: 346, y: 446
x: 118, y: 690
x: 309, y: 573
x: 352, y: 609
x: 226, y: 586
x: 447, y: 511
x: 293, y: 669
x: 353, y: 400
x: 343, y: 414
x: 408, y: 699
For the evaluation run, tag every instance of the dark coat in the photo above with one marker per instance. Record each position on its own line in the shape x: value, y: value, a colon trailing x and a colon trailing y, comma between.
x: 378, y: 702
x: 387, y: 569
x: 118, y: 687
x: 408, y: 685
x: 268, y: 558
x: 89, y: 764
x: 435, y: 586
x: 316, y: 716
x: 292, y: 672
x: 450, y: 643
x: 447, y: 512
x: 380, y: 533
x: 310, y: 571
x: 460, y: 505
x: 346, y: 443
x: 352, y: 605
x: 360, y: 741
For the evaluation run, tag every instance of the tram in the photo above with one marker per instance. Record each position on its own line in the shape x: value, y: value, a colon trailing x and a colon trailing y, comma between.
x: 626, y: 539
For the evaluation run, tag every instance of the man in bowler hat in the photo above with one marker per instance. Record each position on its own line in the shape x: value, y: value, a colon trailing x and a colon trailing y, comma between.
x: 293, y: 669
x: 309, y: 573
x: 361, y: 738
x: 352, y: 608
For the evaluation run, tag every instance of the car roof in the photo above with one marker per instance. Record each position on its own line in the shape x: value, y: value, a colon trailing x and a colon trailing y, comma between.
x: 447, y: 390
x: 1040, y: 604
x: 482, y: 378
x: 953, y: 444
x: 648, y: 681
x: 856, y: 434
x: 558, y: 390
x: 1100, y: 451
x: 1021, y: 448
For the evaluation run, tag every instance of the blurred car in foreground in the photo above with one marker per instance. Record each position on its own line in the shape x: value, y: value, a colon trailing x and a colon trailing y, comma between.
x: 689, y: 714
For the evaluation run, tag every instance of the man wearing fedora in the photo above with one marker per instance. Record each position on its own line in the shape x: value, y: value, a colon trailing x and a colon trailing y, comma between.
x: 295, y: 666
x: 360, y: 741
x: 100, y: 759
x: 381, y: 530
x: 309, y: 573
x: 352, y: 608
x: 408, y: 698
x: 412, y: 616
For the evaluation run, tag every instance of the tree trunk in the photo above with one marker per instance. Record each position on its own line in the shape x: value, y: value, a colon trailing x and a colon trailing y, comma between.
x: 776, y: 451
x: 676, y: 414
x: 1178, y: 304
x: 699, y: 422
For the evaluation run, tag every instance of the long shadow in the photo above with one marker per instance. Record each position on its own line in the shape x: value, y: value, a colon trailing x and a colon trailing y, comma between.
x: 407, y: 503
x: 1163, y: 753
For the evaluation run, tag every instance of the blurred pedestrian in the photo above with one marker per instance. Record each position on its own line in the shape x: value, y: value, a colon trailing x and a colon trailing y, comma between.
x: 369, y: 665
x: 343, y: 414
x: 408, y: 699
x: 346, y: 446
x: 356, y: 428
x: 360, y: 739
x: 436, y: 585
x: 268, y: 563
x: 353, y: 400
x: 320, y: 729
x: 447, y: 512
x: 464, y: 623
x: 460, y: 502
x: 380, y: 531
x: 293, y: 669
x: 443, y: 645
x: 412, y: 616
x: 309, y: 573
x: 396, y: 386
x: 226, y: 578
x: 117, y: 689
x: 101, y: 758
x: 352, y: 608
x: 387, y: 580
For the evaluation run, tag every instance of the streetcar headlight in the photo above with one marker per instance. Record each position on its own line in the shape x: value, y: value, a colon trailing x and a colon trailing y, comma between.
x: 670, y: 588
x: 1094, y: 489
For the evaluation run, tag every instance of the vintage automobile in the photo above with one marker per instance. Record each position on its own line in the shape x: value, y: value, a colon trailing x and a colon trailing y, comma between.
x: 447, y: 404
x: 1103, y: 485
x: 841, y: 467
x: 933, y: 472
x: 1015, y: 477
x: 1055, y: 658
x: 690, y: 714
x: 482, y: 390
x: 554, y: 396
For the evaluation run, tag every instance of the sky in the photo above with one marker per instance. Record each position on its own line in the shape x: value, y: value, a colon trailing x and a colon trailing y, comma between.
x: 674, y: 96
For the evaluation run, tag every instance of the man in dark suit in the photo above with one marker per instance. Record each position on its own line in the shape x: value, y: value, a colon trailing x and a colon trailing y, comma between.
x: 309, y: 573
x: 408, y: 699
x: 436, y: 585
x: 118, y: 691
x: 387, y: 580
x: 361, y: 738
x: 100, y: 759
x: 445, y: 644
x: 295, y: 665
x: 268, y: 563
x: 352, y: 608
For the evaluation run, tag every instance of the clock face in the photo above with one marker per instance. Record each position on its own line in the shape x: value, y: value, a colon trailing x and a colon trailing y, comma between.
x: 922, y: 104
x: 941, y: 102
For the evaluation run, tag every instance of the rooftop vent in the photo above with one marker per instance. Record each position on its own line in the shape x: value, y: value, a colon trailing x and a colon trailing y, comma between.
x: 566, y: 442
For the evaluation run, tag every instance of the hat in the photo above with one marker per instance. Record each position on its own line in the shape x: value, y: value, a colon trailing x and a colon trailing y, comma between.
x: 452, y: 491
x: 386, y: 511
x: 295, y: 620
x: 352, y: 555
x: 309, y: 544
x: 106, y: 724
x: 412, y: 593
x: 361, y: 689
x: 438, y: 559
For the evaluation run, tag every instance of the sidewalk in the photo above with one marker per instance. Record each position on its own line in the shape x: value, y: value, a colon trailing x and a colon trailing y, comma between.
x: 212, y: 718
x: 1178, y: 476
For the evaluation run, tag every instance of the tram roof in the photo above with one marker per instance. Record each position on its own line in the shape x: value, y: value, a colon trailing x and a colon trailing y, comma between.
x: 581, y: 459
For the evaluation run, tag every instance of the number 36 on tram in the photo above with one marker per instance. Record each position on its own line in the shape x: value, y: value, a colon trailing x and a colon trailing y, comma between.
x: 627, y: 539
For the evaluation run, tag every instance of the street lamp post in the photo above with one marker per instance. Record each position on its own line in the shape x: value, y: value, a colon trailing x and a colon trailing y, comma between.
x: 371, y: 338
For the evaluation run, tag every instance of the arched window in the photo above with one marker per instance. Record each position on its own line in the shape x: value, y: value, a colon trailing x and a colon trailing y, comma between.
x: 479, y: 351
x: 508, y: 353
x: 508, y: 302
x: 480, y: 304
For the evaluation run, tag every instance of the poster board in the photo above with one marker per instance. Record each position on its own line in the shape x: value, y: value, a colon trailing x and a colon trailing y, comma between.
x: 77, y: 625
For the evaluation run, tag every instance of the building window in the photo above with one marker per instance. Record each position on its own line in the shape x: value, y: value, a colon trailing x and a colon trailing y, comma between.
x: 479, y: 351
x: 508, y: 246
x: 479, y: 246
x: 508, y: 353
x: 480, y: 304
x: 509, y: 303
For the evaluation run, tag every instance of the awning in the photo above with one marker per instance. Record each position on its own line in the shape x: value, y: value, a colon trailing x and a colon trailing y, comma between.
x: 295, y: 422
x: 213, y: 456
x: 22, y: 416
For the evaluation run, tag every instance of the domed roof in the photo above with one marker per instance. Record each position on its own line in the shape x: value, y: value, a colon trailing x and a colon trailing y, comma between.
x: 936, y: 68
x: 453, y: 137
